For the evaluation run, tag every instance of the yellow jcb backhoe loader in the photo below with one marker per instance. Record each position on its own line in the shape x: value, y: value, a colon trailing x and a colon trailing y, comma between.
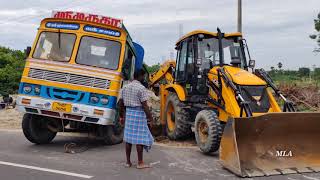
x: 212, y: 91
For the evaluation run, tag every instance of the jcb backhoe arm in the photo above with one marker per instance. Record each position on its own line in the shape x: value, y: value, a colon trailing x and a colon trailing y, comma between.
x: 244, y: 106
x: 165, y: 71
x: 288, y: 105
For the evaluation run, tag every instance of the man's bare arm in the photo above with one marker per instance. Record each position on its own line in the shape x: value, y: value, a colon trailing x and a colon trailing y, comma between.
x: 121, y: 108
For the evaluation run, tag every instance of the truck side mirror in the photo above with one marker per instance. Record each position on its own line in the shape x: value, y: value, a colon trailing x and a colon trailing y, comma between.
x: 27, y: 51
x: 252, y: 64
x: 126, y: 69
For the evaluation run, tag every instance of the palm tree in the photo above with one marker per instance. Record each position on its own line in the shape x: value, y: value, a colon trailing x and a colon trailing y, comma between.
x: 279, y: 65
x: 272, y: 68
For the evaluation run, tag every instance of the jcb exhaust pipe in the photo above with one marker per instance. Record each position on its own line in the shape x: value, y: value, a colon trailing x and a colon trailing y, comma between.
x: 274, y: 143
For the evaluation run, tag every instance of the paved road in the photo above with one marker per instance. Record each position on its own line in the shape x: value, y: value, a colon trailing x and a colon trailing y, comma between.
x: 20, y: 159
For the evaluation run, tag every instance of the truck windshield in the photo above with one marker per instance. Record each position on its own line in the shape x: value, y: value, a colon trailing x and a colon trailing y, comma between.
x: 99, y: 52
x: 54, y: 46
x: 208, y: 51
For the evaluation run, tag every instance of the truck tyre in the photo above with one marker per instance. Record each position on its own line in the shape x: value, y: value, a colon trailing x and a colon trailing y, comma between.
x: 35, y: 129
x: 176, y: 116
x: 111, y: 134
x: 208, y: 131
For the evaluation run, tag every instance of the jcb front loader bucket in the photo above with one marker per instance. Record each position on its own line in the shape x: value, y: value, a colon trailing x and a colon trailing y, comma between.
x: 274, y: 143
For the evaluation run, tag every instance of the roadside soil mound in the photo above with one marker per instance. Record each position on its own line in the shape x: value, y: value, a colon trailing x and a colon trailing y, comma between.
x: 305, y: 97
x: 10, y: 119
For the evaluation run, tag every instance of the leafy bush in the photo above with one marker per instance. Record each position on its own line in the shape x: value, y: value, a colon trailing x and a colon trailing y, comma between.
x: 303, y: 71
x: 11, y: 67
x: 153, y: 68
x: 316, y: 36
x: 317, y: 73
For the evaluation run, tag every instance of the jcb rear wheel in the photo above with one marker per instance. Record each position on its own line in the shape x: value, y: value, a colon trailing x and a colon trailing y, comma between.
x: 35, y: 129
x: 208, y: 131
x: 176, y: 117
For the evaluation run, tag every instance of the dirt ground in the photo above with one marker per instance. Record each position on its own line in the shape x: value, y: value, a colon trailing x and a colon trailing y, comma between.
x: 10, y: 119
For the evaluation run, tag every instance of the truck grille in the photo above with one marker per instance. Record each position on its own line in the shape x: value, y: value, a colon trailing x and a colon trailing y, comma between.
x: 69, y: 78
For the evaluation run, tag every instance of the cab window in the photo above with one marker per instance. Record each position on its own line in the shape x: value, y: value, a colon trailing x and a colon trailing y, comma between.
x: 208, y: 52
x: 232, y: 51
x: 99, y: 52
x: 182, y: 62
x: 190, y: 60
x: 54, y: 46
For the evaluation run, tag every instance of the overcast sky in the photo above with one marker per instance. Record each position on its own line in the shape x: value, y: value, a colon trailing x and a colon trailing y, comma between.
x: 276, y: 30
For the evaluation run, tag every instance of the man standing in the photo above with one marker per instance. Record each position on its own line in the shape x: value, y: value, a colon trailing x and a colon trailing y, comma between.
x: 135, y: 111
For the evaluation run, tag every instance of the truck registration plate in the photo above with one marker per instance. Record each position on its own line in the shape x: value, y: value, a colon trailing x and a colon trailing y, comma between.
x: 62, y: 107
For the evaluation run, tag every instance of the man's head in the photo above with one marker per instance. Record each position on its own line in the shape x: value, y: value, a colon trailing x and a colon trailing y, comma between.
x: 139, y: 75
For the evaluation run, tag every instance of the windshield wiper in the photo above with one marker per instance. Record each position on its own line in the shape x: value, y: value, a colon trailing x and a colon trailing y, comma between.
x: 59, y: 39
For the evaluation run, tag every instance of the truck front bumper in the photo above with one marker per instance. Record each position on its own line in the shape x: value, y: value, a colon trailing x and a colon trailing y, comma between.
x: 78, y: 112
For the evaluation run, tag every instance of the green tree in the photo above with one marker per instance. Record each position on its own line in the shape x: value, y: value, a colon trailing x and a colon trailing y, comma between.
x: 280, y: 65
x: 316, y: 36
x: 153, y: 68
x: 11, y: 66
x: 272, y: 71
x: 317, y: 73
x: 272, y: 68
x: 304, y: 72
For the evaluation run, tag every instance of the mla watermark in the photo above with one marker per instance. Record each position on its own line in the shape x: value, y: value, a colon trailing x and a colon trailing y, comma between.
x: 284, y: 153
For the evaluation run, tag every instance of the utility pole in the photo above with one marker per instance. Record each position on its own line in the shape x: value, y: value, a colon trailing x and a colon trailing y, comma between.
x: 171, y: 55
x: 180, y: 30
x: 163, y: 58
x: 239, y: 15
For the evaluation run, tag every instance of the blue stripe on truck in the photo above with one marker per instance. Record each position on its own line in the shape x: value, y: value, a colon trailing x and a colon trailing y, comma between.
x: 68, y: 95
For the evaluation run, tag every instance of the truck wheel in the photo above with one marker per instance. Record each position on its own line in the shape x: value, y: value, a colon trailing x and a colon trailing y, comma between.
x: 208, y: 131
x: 35, y: 129
x: 177, y: 118
x: 111, y: 134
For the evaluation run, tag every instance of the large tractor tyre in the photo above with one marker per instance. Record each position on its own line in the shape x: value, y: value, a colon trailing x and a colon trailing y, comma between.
x: 111, y: 134
x: 208, y: 131
x: 35, y: 129
x: 177, y: 118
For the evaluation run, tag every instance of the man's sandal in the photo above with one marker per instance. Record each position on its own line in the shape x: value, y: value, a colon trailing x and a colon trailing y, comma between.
x: 126, y: 165
x: 143, y: 166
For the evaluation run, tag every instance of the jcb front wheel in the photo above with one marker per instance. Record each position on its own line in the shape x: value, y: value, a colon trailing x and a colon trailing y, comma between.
x: 177, y: 118
x: 208, y: 131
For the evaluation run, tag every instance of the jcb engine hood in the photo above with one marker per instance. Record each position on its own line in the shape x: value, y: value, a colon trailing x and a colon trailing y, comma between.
x: 240, y: 76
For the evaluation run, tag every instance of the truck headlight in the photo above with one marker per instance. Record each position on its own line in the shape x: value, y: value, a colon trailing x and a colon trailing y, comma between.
x: 104, y: 100
x: 37, y: 90
x: 94, y: 99
x: 27, y: 89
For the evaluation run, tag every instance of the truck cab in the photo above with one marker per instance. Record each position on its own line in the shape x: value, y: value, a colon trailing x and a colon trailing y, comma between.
x: 73, y: 75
